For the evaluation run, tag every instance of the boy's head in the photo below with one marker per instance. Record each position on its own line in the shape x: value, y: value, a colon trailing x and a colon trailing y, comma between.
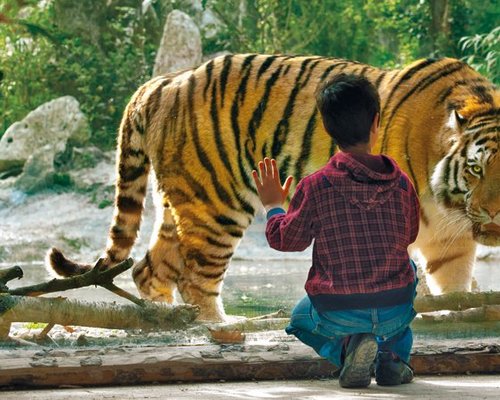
x: 348, y: 105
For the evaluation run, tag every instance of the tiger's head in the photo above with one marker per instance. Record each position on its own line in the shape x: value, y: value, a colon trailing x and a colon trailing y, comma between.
x: 467, y: 178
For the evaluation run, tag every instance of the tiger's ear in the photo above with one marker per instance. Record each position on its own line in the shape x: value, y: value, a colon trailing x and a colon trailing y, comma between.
x: 456, y: 121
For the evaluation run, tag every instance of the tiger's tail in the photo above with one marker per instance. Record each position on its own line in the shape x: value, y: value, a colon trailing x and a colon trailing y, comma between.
x: 132, y: 165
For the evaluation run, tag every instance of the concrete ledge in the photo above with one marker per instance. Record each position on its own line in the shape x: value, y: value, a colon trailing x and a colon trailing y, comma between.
x: 35, y: 368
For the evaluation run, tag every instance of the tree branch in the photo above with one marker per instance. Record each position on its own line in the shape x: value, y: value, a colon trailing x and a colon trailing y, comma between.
x: 123, y: 293
x: 8, y: 274
x: 96, y: 276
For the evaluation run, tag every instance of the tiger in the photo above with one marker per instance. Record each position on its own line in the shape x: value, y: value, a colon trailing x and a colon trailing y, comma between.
x: 200, y: 132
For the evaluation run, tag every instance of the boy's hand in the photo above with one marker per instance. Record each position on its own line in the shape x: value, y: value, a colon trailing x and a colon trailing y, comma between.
x: 269, y: 187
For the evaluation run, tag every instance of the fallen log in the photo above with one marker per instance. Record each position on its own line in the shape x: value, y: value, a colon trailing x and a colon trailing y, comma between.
x: 465, y: 307
x: 456, y: 301
x: 20, y: 304
x: 61, y: 311
x: 477, y: 314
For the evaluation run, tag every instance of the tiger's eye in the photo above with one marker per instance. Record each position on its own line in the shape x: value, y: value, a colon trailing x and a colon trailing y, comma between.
x: 477, y: 169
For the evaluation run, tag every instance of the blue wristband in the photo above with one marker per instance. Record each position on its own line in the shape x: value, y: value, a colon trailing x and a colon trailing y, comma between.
x: 275, y: 211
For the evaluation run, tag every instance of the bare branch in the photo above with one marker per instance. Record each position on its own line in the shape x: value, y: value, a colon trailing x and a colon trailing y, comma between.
x: 8, y: 274
x: 96, y: 276
x: 123, y: 293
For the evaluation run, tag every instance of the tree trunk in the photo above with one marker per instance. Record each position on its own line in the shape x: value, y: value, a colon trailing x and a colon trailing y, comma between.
x: 440, y: 26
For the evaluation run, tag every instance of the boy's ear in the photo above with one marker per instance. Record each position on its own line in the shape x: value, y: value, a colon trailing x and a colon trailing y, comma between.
x: 376, y: 121
x: 374, y: 129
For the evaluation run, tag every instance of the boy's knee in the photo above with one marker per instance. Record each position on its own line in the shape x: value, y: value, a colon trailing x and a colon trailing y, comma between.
x: 301, y: 317
x: 302, y: 322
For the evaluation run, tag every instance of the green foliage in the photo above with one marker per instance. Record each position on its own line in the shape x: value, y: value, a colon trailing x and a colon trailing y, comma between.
x: 105, y: 203
x: 42, y: 58
x: 35, y: 325
x: 61, y: 180
x: 42, y: 62
x: 482, y: 52
x: 23, y: 86
x: 267, y: 26
x: 103, y: 196
x: 76, y: 243
x: 388, y: 33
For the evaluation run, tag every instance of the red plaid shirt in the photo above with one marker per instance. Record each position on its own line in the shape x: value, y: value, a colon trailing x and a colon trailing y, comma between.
x: 362, y: 221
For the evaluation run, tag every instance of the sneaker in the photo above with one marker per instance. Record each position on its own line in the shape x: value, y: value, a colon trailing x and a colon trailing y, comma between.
x: 359, y: 357
x: 391, y: 370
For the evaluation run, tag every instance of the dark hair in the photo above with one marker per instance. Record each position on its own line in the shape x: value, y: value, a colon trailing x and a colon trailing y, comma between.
x: 348, y: 104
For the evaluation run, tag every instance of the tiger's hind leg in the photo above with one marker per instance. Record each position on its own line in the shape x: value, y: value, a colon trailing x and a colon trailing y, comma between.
x: 157, y: 273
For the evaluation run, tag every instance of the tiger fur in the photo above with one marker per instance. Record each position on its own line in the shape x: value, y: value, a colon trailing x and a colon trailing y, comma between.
x: 202, y: 131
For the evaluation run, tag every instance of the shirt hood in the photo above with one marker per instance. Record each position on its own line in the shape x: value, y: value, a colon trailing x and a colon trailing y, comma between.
x: 360, y: 184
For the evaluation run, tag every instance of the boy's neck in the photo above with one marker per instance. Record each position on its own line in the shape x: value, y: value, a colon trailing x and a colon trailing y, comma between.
x: 362, y: 153
x: 360, y: 148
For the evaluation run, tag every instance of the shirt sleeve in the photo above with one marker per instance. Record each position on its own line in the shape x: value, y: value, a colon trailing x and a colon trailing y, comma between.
x: 293, y: 230
x: 414, y: 213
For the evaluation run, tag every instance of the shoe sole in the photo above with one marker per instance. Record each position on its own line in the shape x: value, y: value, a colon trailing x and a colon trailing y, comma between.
x: 357, y: 370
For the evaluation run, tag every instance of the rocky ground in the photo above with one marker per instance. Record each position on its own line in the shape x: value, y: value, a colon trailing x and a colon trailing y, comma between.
x: 77, y: 218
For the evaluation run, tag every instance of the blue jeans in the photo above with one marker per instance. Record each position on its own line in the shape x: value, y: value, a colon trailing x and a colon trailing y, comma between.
x: 327, y: 332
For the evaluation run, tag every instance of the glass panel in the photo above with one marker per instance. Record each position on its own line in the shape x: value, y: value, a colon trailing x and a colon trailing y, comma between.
x: 259, y: 281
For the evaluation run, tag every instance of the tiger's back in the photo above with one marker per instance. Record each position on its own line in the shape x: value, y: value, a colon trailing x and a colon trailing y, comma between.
x: 202, y: 131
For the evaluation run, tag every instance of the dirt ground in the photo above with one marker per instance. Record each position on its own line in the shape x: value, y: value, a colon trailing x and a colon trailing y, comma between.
x: 423, y: 387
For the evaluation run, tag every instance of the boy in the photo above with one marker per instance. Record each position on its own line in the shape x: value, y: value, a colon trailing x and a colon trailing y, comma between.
x: 362, y: 212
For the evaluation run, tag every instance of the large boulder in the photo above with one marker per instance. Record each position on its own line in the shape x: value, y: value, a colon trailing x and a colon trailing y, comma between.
x: 180, y: 46
x: 58, y: 121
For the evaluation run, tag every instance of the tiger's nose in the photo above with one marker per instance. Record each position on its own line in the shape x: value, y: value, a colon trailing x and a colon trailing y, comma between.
x: 491, y: 213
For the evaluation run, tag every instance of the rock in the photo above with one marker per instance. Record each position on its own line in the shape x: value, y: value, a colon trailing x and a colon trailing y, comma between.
x: 9, y: 196
x: 82, y: 340
x: 44, y: 362
x: 94, y: 172
x: 88, y: 157
x: 39, y: 169
x: 92, y: 361
x: 180, y: 46
x: 102, y: 175
x: 57, y: 121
